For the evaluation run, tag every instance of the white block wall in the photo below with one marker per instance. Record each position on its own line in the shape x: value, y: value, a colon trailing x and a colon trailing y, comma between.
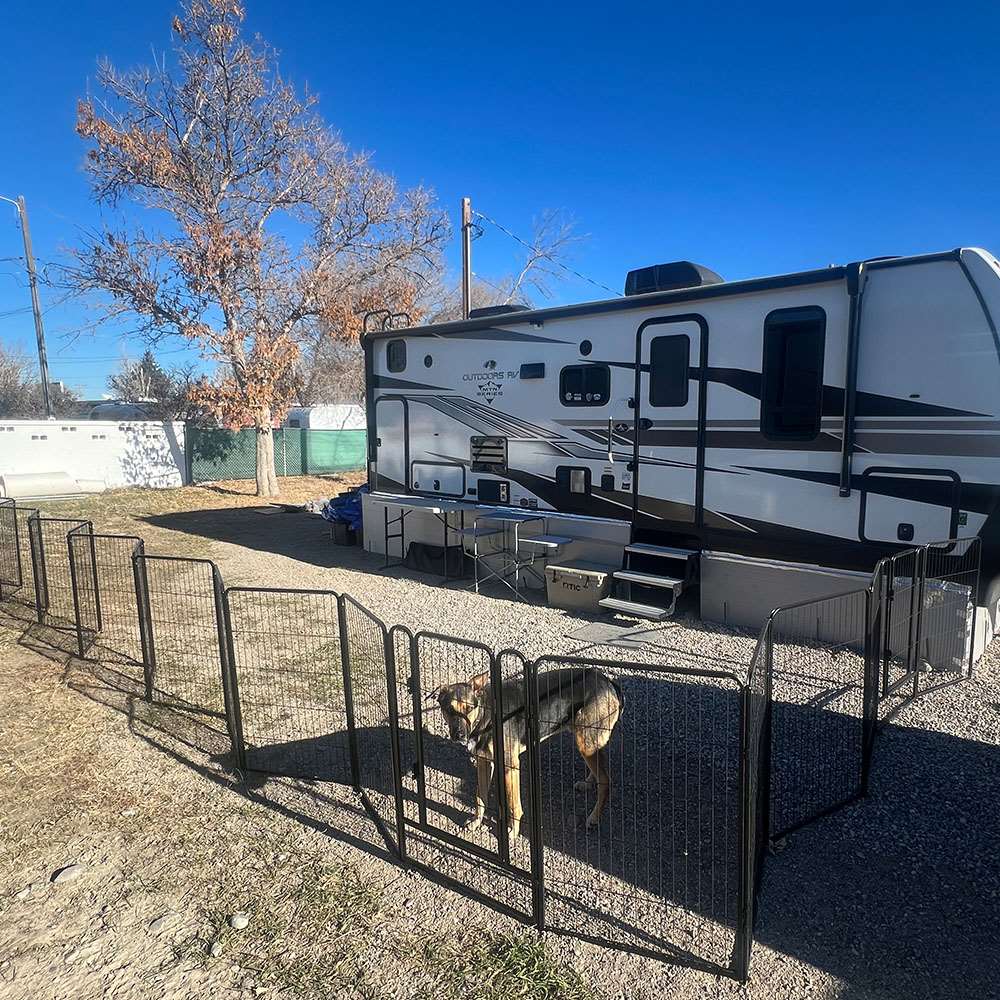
x: 117, y: 453
x: 328, y: 417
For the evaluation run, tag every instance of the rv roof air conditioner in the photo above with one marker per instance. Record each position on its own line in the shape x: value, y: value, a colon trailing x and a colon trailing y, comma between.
x: 511, y: 307
x: 667, y: 277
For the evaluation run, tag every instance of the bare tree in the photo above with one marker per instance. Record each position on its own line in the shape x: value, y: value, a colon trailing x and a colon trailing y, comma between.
x: 21, y: 392
x: 164, y: 394
x: 553, y: 240
x: 333, y: 372
x: 331, y: 365
x: 544, y: 263
x: 219, y: 145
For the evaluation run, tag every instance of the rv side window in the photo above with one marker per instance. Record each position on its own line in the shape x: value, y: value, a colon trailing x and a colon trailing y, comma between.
x: 669, y: 358
x: 395, y: 355
x: 792, y: 398
x: 585, y: 385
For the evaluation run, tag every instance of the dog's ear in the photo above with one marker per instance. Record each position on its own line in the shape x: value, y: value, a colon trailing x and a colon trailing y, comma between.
x: 480, y: 681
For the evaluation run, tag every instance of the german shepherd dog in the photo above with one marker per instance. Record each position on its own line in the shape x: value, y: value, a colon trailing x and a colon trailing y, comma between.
x: 581, y: 700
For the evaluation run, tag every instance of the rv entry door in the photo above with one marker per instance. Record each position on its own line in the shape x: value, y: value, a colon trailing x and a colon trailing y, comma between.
x: 669, y: 451
x: 391, y: 444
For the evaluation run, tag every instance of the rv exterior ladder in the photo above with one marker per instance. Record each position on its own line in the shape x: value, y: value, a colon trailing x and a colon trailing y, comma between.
x: 659, y: 590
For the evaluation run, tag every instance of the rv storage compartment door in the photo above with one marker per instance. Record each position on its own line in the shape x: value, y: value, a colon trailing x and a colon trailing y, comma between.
x: 444, y: 480
x: 909, y: 506
x: 390, y: 444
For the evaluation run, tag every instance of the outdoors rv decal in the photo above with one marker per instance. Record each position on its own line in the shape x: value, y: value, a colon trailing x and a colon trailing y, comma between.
x: 488, y: 384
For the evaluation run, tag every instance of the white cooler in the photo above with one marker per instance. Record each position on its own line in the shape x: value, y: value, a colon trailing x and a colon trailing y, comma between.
x: 577, y: 586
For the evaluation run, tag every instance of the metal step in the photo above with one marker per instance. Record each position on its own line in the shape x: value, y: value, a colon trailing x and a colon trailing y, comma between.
x: 649, y: 579
x: 635, y: 609
x: 663, y: 551
x: 546, y: 541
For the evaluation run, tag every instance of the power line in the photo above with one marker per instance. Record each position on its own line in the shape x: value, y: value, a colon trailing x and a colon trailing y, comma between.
x: 548, y: 257
x: 493, y: 285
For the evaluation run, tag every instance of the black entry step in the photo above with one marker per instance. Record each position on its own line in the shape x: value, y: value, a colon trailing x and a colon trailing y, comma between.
x: 649, y: 579
x: 663, y: 551
x: 635, y: 609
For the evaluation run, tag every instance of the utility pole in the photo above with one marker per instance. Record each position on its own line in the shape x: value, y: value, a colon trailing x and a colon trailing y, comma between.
x: 36, y: 308
x: 466, y: 257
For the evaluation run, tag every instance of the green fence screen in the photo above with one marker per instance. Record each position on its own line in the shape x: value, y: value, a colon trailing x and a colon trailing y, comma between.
x: 220, y: 454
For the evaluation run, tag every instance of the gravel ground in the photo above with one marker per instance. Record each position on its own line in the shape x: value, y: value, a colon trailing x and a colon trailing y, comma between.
x: 896, y: 896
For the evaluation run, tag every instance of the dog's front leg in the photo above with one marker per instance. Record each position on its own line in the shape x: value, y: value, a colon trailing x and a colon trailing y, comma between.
x: 484, y: 775
x: 513, y: 782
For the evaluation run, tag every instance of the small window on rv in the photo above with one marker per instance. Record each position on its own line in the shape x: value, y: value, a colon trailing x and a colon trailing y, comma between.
x: 791, y: 403
x: 585, y: 385
x: 395, y: 355
x: 669, y: 358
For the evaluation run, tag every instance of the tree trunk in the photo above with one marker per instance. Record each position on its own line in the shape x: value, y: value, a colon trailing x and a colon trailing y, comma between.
x: 267, y: 480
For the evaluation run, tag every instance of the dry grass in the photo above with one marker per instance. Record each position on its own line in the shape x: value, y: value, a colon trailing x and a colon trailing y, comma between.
x: 127, y: 511
x: 52, y: 765
x: 482, y: 966
x: 89, y: 772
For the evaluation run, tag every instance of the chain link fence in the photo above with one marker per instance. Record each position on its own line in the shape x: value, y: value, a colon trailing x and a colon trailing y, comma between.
x: 216, y: 453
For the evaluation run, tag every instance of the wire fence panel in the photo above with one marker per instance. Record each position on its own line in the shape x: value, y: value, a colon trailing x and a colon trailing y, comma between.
x: 456, y: 694
x: 946, y: 636
x: 86, y: 592
x: 656, y: 871
x: 10, y: 552
x: 25, y: 594
x: 756, y: 787
x: 37, y: 552
x: 375, y: 696
x: 901, y: 574
x: 632, y: 804
x: 819, y: 670
x: 54, y: 582
x: 185, y: 625
x: 287, y: 661
x: 108, y: 599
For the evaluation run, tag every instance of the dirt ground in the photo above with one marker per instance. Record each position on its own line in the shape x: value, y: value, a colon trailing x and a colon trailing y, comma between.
x: 893, y: 898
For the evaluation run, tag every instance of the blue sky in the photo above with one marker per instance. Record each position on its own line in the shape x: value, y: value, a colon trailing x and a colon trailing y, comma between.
x: 753, y: 141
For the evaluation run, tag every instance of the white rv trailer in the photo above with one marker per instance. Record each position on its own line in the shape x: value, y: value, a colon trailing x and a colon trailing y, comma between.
x: 818, y: 420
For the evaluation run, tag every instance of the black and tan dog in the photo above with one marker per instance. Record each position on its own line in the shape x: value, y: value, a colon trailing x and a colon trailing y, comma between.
x: 579, y: 700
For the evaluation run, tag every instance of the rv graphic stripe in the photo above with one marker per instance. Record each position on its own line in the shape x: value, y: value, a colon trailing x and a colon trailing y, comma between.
x: 868, y: 404
x: 388, y: 382
x: 978, y: 498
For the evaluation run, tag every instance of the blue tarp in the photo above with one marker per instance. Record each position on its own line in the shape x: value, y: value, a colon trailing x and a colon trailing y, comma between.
x: 345, y: 508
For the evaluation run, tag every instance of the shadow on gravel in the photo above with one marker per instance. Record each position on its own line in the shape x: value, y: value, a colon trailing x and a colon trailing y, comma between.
x: 660, y: 873
x: 295, y: 534
x: 300, y: 536
x: 899, y: 895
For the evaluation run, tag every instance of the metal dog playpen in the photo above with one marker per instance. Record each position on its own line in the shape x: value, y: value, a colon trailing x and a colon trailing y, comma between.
x: 707, y: 766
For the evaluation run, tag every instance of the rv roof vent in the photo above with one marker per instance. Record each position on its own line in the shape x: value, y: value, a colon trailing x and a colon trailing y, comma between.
x: 511, y: 307
x: 666, y: 277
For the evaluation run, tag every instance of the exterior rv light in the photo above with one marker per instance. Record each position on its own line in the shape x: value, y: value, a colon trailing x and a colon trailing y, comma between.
x: 586, y: 347
x: 428, y: 361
